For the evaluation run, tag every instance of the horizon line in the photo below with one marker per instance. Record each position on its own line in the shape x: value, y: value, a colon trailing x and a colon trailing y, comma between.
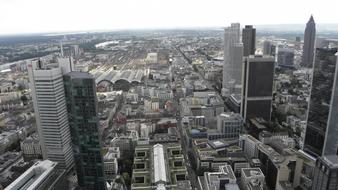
x: 70, y: 32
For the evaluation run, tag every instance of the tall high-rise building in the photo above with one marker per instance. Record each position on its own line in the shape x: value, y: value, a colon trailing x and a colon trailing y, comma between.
x: 285, y: 57
x: 309, y: 43
x: 236, y: 64
x: 80, y: 91
x: 326, y: 173
x: 46, y: 84
x: 249, y: 40
x: 258, y: 73
x: 233, y: 55
x: 321, y: 130
x: 269, y: 48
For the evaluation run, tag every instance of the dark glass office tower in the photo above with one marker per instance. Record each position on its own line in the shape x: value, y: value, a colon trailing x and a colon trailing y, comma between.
x: 258, y: 72
x: 249, y: 40
x: 321, y: 136
x: 309, y: 43
x: 80, y: 92
x: 326, y: 173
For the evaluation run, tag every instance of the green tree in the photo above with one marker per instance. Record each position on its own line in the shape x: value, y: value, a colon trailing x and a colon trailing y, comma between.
x: 126, y: 178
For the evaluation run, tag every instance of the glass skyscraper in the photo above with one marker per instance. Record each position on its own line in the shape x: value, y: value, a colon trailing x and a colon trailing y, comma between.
x: 321, y: 136
x: 80, y: 91
x: 258, y: 72
x: 249, y: 40
x: 309, y: 43
x: 326, y: 173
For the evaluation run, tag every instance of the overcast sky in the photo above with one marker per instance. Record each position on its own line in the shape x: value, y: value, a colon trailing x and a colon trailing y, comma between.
x: 35, y: 16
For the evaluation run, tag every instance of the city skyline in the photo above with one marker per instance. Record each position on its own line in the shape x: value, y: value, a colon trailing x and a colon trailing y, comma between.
x: 38, y: 16
x: 184, y: 108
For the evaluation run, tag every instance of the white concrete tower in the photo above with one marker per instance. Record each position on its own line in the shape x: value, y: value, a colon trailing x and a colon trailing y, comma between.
x: 47, y: 90
x: 233, y: 55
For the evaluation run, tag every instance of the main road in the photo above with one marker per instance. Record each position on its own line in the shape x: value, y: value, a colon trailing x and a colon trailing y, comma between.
x: 191, y: 172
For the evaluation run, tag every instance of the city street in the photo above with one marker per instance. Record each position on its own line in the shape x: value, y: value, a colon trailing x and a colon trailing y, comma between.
x: 191, y: 172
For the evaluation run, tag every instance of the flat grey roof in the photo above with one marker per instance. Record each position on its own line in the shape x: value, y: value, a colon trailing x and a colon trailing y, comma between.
x: 78, y: 74
x: 331, y: 160
x: 249, y: 172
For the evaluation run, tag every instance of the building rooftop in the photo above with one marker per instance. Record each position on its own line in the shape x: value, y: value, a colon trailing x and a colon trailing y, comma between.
x: 109, y: 156
x: 34, y: 176
x: 331, y: 160
x: 261, y: 58
x: 221, y: 143
x: 166, y: 120
x: 252, y: 172
x: 255, y: 161
x: 216, y: 180
x: 162, y: 165
x: 230, y: 116
x: 258, y: 122
x: 165, y: 137
x: 113, y: 75
x: 78, y: 74
x: 275, y: 156
x: 159, y: 164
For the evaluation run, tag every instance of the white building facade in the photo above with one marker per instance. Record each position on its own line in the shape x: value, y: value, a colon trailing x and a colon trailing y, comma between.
x: 49, y: 103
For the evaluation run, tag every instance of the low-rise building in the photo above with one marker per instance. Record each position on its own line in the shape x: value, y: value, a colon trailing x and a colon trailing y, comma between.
x: 43, y: 175
x: 252, y: 179
x: 125, y: 142
x: 31, y: 149
x: 208, y: 157
x: 159, y: 166
x: 249, y: 145
x: 110, y: 162
x: 223, y: 179
x: 281, y: 171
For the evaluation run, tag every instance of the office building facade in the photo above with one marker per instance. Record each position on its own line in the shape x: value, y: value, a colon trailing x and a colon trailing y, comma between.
x: 249, y: 40
x: 229, y: 124
x: 326, y: 173
x: 233, y: 55
x: 236, y: 56
x: 31, y: 149
x: 46, y: 84
x: 258, y: 74
x: 321, y: 130
x: 269, y: 48
x: 80, y: 91
x: 285, y: 57
x: 309, y: 43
